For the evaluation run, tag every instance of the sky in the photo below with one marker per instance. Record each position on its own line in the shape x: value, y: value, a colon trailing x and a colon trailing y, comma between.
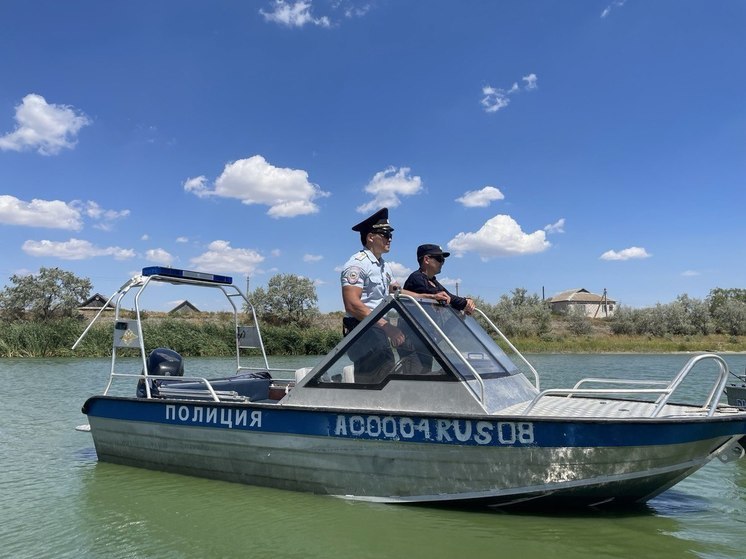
x: 548, y: 145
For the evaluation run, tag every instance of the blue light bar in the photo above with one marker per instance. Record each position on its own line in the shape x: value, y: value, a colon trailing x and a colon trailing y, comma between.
x: 185, y: 274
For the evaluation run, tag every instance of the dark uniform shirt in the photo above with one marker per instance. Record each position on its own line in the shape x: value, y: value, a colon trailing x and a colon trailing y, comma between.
x: 420, y: 283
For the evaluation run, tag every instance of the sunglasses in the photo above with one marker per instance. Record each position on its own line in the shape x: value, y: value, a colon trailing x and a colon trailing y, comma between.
x: 440, y: 258
x: 385, y: 234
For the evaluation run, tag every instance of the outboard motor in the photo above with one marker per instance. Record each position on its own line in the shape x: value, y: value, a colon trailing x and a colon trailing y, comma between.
x: 165, y: 362
x: 162, y: 362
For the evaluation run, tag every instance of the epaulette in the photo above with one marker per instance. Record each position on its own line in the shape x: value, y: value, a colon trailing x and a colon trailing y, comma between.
x: 360, y: 255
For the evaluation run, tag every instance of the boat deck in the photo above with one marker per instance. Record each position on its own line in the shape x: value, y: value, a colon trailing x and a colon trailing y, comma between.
x: 562, y: 406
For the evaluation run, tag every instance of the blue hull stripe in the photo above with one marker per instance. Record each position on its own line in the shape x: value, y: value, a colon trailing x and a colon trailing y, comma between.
x: 415, y: 428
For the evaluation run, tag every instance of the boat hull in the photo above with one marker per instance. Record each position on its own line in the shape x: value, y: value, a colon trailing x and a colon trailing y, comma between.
x: 736, y: 394
x: 409, y: 458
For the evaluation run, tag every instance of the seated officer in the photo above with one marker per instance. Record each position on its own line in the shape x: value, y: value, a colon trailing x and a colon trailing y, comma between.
x: 431, y: 259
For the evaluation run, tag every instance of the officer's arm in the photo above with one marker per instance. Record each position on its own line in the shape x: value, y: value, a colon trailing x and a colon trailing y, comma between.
x: 352, y: 299
x: 351, y: 296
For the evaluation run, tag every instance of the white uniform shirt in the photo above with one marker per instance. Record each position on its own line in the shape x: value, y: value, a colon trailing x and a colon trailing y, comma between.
x: 373, y: 276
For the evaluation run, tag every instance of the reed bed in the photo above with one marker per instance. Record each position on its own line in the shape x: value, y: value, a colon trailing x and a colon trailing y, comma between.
x: 213, y: 338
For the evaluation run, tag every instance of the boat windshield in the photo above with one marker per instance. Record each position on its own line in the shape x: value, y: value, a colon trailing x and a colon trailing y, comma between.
x: 474, y: 346
x: 440, y: 345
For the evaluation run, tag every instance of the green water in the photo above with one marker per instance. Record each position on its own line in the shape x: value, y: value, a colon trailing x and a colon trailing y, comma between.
x: 57, y: 501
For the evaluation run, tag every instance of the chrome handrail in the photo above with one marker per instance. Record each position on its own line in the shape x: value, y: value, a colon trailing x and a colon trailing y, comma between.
x: 141, y: 282
x: 715, y: 392
x: 511, y: 346
x: 177, y: 380
x: 664, y: 394
x: 621, y: 381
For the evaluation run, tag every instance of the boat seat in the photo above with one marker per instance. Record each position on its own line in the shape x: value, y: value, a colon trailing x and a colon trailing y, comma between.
x: 348, y: 375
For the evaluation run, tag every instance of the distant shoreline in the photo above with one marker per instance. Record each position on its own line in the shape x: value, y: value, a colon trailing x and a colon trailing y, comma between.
x: 206, y: 337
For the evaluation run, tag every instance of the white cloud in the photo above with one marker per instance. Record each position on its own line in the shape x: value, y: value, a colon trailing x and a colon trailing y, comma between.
x: 312, y: 257
x: 449, y: 282
x: 53, y: 214
x: 287, y: 192
x: 480, y: 198
x: 626, y: 254
x: 530, y: 81
x: 499, y: 236
x: 105, y: 218
x: 74, y: 249
x: 222, y: 258
x: 495, y: 99
x: 400, y: 271
x: 294, y: 14
x: 144, y: 237
x: 351, y: 10
x: 691, y: 273
x: 43, y: 127
x: 159, y: 256
x: 613, y: 5
x: 275, y: 252
x: 182, y: 239
x: 197, y: 186
x: 558, y: 227
x: 387, y: 186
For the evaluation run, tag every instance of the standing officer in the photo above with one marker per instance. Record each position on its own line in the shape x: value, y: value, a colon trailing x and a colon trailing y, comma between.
x: 366, y: 280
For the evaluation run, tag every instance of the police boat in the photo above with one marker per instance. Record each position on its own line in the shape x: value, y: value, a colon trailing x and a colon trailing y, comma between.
x: 455, y: 416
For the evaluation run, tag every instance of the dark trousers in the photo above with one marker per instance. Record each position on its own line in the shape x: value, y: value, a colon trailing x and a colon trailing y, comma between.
x: 371, y: 353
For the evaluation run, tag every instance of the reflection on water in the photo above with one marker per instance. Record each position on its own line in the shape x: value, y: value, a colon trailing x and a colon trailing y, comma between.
x: 164, y: 515
x: 57, y: 501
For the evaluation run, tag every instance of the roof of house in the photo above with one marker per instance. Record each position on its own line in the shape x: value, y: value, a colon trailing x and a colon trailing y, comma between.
x: 184, y: 306
x: 578, y: 296
x: 95, y: 302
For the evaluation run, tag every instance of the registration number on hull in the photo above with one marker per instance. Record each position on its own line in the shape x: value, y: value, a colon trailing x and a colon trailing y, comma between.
x: 435, y: 430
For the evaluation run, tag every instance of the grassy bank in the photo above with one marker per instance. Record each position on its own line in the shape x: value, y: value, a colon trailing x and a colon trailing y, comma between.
x: 209, y: 337
x: 630, y: 344
x: 191, y: 338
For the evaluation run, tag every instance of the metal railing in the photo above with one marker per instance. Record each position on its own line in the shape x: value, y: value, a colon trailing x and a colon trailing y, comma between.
x: 664, y: 394
x: 511, y: 346
x: 141, y: 282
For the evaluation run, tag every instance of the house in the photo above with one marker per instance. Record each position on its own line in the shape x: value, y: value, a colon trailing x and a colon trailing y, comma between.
x: 95, y: 304
x: 184, y: 308
x: 592, y: 304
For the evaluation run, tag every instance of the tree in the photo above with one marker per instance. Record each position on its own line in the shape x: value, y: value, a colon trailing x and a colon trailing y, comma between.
x: 519, y: 314
x: 578, y: 322
x: 288, y: 299
x: 720, y: 297
x: 731, y: 318
x: 52, y: 293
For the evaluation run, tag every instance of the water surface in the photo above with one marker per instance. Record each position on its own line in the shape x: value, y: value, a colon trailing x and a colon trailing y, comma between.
x: 57, y: 501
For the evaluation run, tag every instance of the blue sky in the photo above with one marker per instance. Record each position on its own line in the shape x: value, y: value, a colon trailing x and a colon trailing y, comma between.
x: 549, y: 145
